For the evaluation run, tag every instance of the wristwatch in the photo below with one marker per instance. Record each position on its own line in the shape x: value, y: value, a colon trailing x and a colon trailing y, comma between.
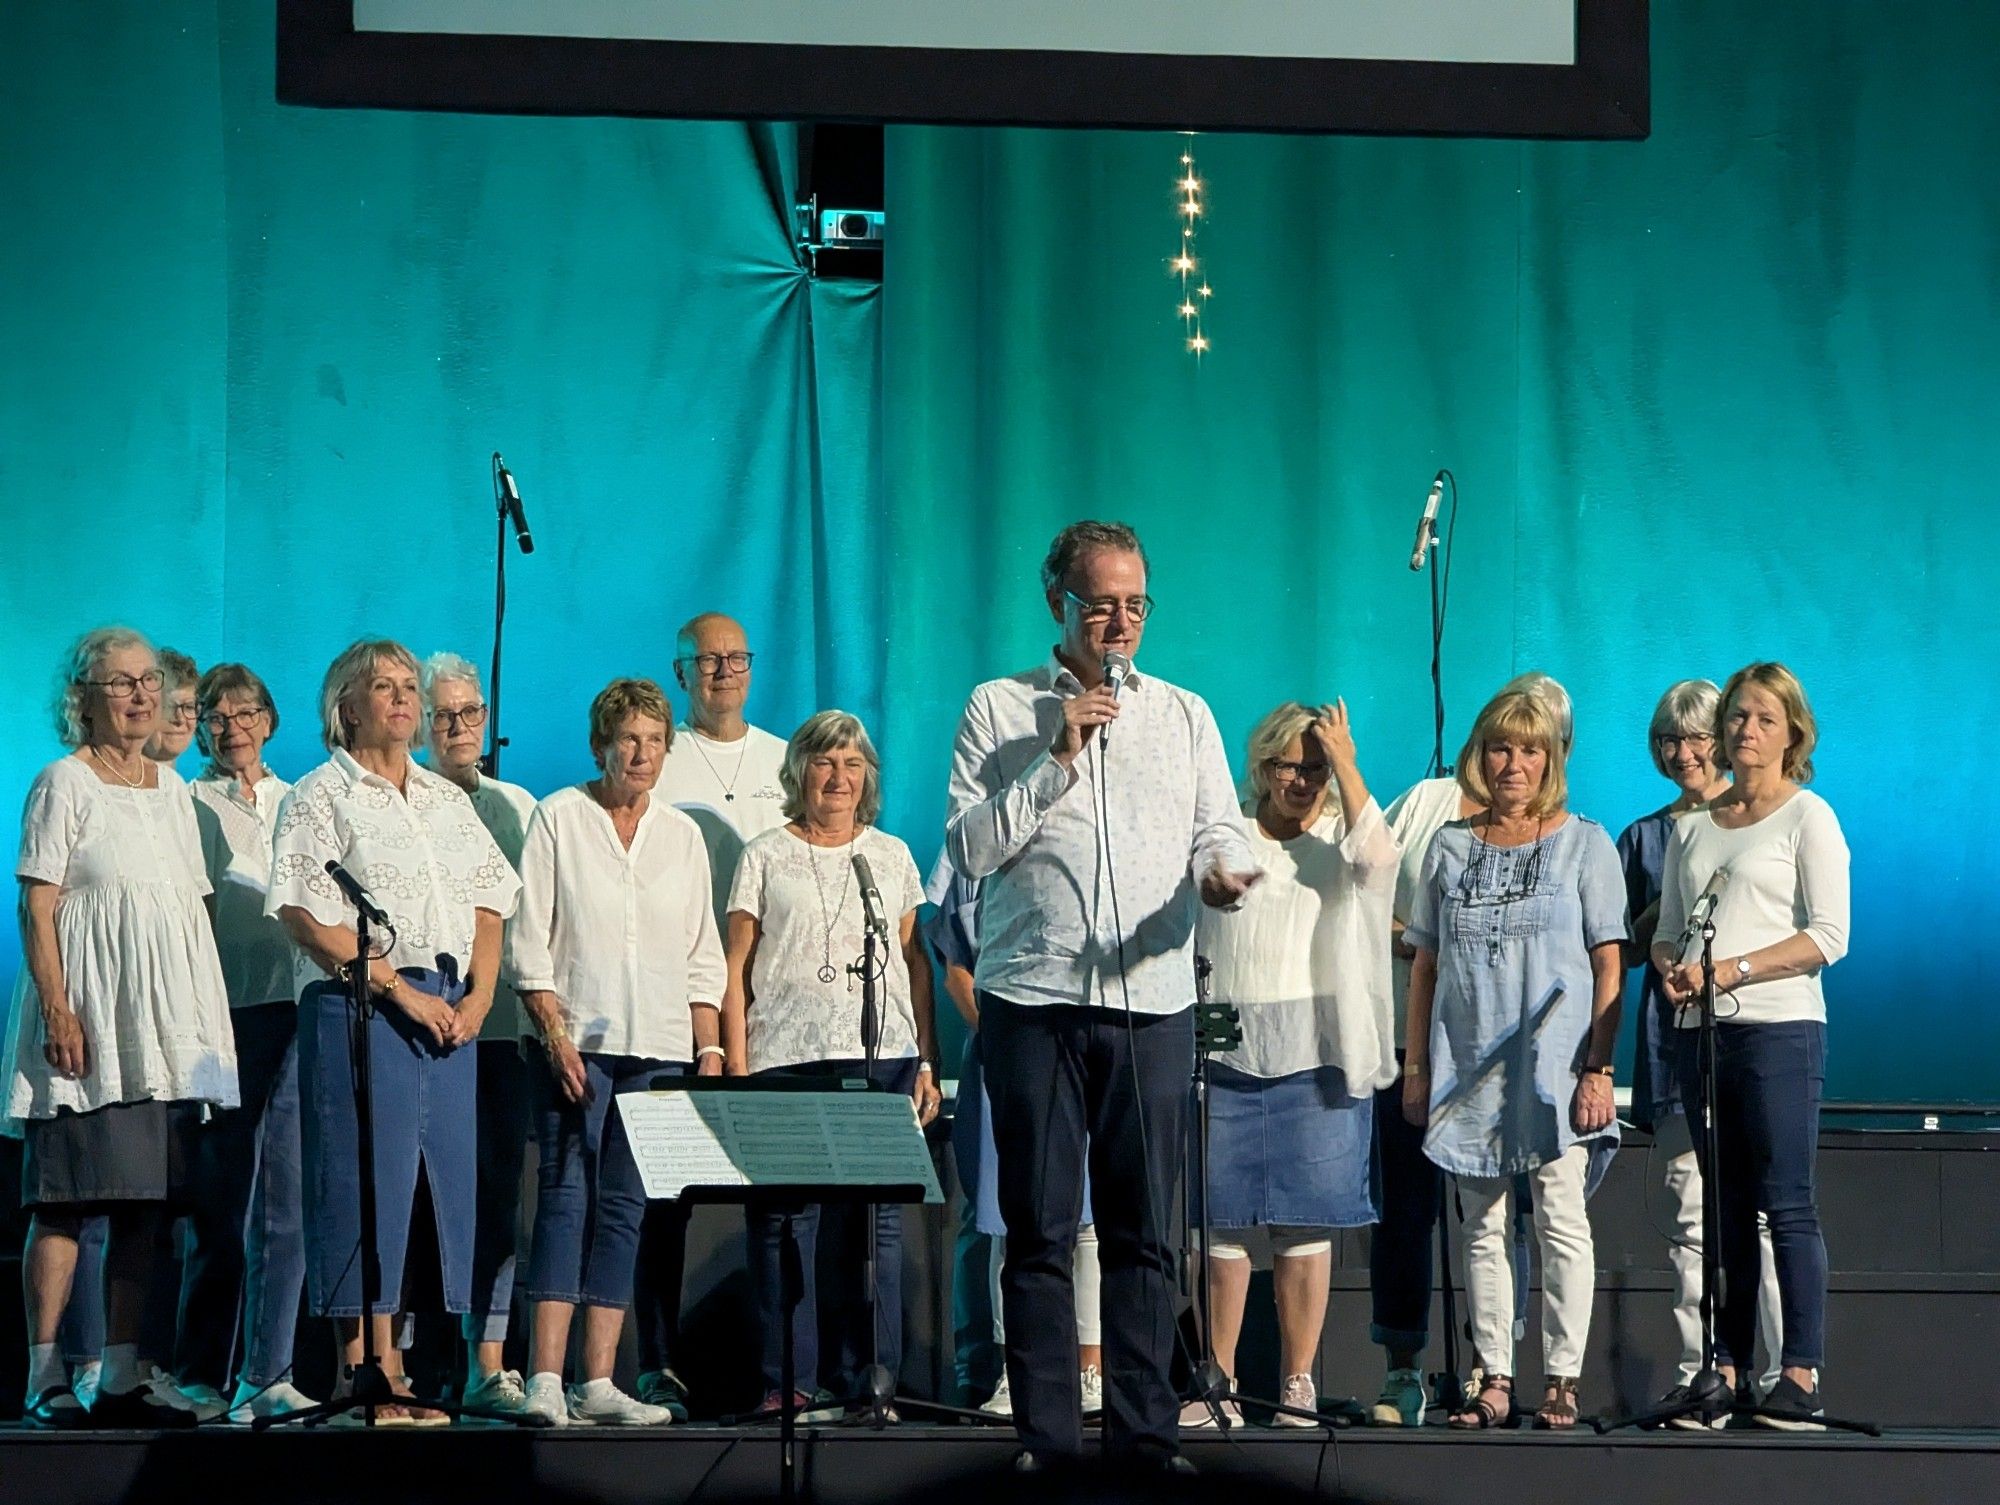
x: 1742, y: 970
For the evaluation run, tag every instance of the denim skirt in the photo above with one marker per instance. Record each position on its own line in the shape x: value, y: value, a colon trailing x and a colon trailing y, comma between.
x: 1291, y: 1151
x: 425, y: 1118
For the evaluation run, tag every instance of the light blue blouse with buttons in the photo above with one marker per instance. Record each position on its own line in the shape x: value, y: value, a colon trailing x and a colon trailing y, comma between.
x: 1512, y: 929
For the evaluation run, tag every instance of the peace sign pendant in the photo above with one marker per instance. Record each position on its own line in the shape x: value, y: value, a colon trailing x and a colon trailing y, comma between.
x: 827, y: 974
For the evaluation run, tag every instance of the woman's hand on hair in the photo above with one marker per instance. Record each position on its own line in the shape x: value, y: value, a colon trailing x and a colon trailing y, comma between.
x: 63, y: 1045
x: 1335, y: 735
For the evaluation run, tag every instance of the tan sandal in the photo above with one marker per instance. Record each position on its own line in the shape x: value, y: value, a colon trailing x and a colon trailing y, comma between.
x: 1558, y: 1412
x: 1482, y: 1415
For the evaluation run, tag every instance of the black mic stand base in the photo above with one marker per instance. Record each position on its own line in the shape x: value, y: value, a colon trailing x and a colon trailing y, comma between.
x: 1715, y: 1405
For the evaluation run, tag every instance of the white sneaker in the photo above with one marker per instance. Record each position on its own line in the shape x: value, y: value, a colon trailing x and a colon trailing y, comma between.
x: 252, y: 1401
x: 546, y: 1403
x: 1196, y: 1417
x: 500, y: 1392
x: 1093, y: 1391
x: 1301, y: 1394
x: 83, y: 1383
x: 599, y: 1403
x: 1001, y: 1401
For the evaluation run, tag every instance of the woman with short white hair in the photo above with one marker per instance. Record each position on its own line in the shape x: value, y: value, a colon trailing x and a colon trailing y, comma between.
x: 455, y: 714
x: 1305, y: 959
x: 1518, y: 926
x: 121, y: 1021
x: 620, y: 969
x: 412, y: 838
x: 793, y: 1008
x: 179, y: 691
x: 1780, y: 921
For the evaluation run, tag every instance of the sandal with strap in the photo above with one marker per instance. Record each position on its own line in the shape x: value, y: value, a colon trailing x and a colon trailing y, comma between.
x: 1482, y: 1415
x: 1558, y: 1412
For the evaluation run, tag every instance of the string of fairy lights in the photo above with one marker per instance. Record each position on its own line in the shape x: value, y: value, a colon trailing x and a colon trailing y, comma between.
x: 1186, y: 263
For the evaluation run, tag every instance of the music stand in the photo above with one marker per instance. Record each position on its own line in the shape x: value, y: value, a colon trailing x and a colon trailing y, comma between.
x: 888, y: 1142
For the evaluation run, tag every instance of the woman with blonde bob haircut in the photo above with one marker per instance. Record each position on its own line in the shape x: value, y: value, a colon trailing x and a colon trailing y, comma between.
x: 792, y: 1007
x: 1518, y: 925
x: 1780, y: 920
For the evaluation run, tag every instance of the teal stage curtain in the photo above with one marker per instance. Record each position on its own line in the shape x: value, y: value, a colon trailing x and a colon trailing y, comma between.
x: 1724, y: 394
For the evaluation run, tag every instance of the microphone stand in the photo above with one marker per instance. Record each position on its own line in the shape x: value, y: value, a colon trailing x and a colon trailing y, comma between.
x: 879, y: 1397
x: 1440, y: 599
x: 490, y: 764
x: 1710, y: 1398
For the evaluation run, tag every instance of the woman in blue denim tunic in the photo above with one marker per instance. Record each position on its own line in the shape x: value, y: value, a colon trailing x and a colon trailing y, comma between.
x: 1518, y: 927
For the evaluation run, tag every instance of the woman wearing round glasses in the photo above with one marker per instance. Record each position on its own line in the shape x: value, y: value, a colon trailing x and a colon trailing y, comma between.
x: 1306, y: 961
x: 456, y: 714
x: 121, y: 1018
x: 1518, y: 926
x: 178, y: 707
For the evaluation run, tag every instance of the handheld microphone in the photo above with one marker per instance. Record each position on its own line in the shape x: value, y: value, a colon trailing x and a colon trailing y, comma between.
x: 356, y: 894
x: 510, y: 503
x: 871, y: 897
x: 1116, y: 667
x: 1427, y: 524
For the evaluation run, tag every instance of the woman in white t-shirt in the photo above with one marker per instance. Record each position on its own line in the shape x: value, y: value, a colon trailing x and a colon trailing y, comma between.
x: 1780, y: 918
x: 1305, y: 959
x: 121, y: 1020
x: 797, y: 917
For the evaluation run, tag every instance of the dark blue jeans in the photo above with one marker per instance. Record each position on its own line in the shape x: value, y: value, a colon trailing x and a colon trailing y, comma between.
x: 849, y: 1310
x: 1401, y: 1250
x: 1769, y: 1078
x: 503, y: 1150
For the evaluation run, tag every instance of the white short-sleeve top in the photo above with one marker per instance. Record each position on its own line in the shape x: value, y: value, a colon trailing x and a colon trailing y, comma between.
x: 423, y: 855
x: 236, y: 852
x: 807, y: 904
x: 138, y: 958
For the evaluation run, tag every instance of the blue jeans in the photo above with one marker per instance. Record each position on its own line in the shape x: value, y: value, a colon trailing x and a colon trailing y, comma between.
x: 1769, y: 1078
x: 223, y: 1176
x: 274, y: 1256
x: 425, y: 1103
x: 1401, y: 1250
x: 503, y: 1149
x: 589, y: 1198
x: 849, y: 1309
x: 82, y: 1332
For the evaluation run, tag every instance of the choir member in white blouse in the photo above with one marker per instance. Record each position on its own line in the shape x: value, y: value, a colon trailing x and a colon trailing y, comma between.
x: 619, y: 966
x: 247, y: 1216
x: 1305, y: 960
x: 455, y: 714
x: 793, y: 1007
x: 412, y: 838
x: 121, y: 1025
x: 1780, y: 920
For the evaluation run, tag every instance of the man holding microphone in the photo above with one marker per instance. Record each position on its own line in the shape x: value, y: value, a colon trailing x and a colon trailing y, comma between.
x: 1095, y: 805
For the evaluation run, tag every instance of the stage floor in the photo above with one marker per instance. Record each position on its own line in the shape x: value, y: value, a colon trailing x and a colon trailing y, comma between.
x: 839, y: 1465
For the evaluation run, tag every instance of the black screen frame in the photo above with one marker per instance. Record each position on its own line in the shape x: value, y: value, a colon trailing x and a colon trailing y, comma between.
x: 1604, y: 95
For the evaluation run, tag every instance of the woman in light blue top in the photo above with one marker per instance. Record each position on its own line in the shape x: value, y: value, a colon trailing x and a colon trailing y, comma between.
x: 1513, y: 1011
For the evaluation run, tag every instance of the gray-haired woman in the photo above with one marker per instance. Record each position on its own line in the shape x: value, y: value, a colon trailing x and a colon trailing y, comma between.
x: 121, y: 1019
x: 413, y: 839
x: 793, y: 1007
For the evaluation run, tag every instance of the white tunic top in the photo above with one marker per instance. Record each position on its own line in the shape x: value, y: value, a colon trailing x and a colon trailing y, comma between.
x: 1415, y: 816
x: 791, y: 888
x: 701, y: 776
x: 1156, y: 811
x: 504, y: 810
x: 1787, y: 873
x: 1306, y: 957
x: 236, y: 851
x: 425, y: 859
x: 623, y: 936
x: 138, y: 958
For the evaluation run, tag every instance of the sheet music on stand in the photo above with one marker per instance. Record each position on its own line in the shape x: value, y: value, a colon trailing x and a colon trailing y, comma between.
x: 725, y: 1136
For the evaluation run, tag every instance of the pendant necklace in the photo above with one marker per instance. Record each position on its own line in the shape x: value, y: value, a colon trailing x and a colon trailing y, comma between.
x: 829, y: 918
x: 728, y: 789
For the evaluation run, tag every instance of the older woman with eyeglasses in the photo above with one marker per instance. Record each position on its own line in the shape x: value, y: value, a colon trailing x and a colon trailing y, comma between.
x: 455, y: 711
x: 1306, y: 961
x: 1518, y: 926
x: 121, y: 1020
x: 178, y: 708
x: 413, y: 839
x: 792, y: 1007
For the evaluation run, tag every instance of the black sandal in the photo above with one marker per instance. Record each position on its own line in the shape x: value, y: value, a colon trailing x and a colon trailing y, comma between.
x: 1481, y: 1415
x: 1558, y: 1412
